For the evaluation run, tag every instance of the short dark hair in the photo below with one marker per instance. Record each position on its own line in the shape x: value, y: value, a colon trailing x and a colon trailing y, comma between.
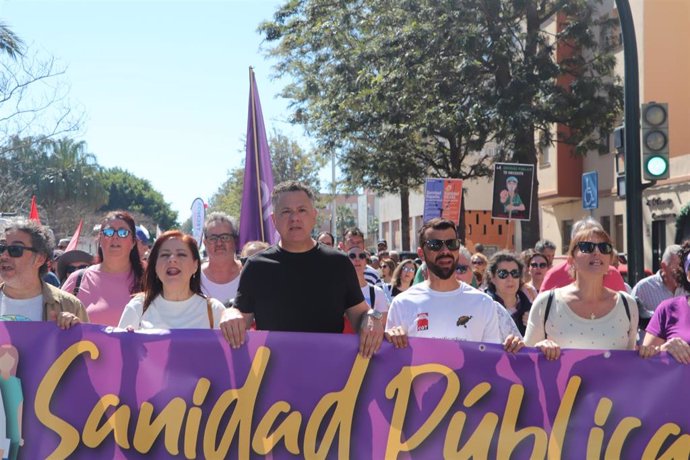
x: 544, y: 244
x: 42, y: 239
x: 353, y: 231
x: 437, y: 223
x: 291, y: 186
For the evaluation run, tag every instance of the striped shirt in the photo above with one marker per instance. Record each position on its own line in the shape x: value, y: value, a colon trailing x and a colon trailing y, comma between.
x: 651, y: 291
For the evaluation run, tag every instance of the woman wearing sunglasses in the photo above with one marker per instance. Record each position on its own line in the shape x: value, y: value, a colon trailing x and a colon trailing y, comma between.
x: 105, y: 288
x: 172, y: 296
x: 403, y: 276
x: 585, y: 313
x: 503, y: 285
x: 537, y: 266
x: 374, y: 296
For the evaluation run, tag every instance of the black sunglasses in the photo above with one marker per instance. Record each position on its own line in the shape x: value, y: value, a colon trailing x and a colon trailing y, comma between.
x: 538, y: 264
x: 503, y: 273
x: 353, y: 256
x: 15, y: 250
x: 71, y: 268
x: 436, y: 245
x: 462, y: 269
x: 109, y: 232
x: 587, y: 247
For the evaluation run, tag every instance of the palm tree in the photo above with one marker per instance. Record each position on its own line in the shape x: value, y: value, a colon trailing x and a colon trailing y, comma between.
x: 10, y: 44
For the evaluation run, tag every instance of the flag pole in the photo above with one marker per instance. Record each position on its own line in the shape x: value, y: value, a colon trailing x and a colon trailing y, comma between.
x: 256, y: 153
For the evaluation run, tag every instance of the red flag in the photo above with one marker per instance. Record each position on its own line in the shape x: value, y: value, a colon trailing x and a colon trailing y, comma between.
x: 75, y: 238
x: 33, y: 214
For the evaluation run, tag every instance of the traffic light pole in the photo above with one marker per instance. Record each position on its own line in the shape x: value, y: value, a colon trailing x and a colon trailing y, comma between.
x: 633, y: 170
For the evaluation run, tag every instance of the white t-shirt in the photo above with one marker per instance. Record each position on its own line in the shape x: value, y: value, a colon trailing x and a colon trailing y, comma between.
x: 222, y: 292
x: 462, y: 314
x: 21, y: 309
x: 613, y: 331
x: 167, y: 314
x: 379, y: 297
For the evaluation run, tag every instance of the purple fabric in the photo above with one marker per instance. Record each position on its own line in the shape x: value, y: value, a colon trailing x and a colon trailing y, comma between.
x: 258, y: 181
x: 671, y: 319
x: 491, y: 395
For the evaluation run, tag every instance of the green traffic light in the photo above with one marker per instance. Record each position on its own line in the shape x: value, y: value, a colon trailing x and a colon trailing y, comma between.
x: 656, y: 166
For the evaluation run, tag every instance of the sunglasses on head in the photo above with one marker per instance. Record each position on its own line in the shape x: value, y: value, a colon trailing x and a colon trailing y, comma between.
x: 503, y: 273
x: 359, y: 255
x: 72, y: 268
x: 478, y: 262
x: 15, y: 250
x: 538, y: 264
x: 436, y: 245
x: 109, y: 232
x: 462, y: 269
x: 587, y: 247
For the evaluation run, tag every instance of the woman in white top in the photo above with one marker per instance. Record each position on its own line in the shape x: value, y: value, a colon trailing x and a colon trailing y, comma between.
x: 172, y: 297
x: 585, y: 314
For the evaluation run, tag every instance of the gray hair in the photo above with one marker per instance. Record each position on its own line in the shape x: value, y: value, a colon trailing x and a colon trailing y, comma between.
x: 670, y: 251
x: 291, y: 186
x: 42, y: 239
x: 219, y: 217
x: 588, y: 222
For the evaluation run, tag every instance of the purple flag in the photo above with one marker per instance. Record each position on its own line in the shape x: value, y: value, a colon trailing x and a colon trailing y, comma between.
x: 255, y: 215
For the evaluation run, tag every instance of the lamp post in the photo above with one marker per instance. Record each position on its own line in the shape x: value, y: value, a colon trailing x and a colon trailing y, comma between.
x: 633, y: 174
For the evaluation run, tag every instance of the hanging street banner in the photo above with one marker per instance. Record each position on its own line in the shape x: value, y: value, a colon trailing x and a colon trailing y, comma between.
x: 512, y: 196
x: 442, y: 198
x: 95, y: 392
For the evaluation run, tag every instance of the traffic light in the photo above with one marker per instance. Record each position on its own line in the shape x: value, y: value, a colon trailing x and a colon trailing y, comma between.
x: 655, y: 158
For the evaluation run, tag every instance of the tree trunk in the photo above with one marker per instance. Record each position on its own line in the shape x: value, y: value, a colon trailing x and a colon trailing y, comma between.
x: 405, y: 217
x: 531, y: 230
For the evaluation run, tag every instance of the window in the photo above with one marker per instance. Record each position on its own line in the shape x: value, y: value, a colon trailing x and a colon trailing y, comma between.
x: 606, y: 223
x: 567, y: 226
x: 618, y: 235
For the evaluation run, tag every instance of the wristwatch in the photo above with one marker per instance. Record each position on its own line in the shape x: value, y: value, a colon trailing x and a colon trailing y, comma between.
x: 375, y: 314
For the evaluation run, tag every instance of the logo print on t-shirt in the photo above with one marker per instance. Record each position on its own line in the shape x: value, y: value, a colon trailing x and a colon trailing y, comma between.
x: 422, y: 322
x: 463, y: 320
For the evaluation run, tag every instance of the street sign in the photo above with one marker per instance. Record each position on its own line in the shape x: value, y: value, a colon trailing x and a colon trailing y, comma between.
x: 590, y: 190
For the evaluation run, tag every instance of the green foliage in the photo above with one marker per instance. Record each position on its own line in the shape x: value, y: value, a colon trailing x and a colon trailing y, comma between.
x: 344, y: 220
x: 289, y: 162
x: 129, y: 192
x: 405, y: 89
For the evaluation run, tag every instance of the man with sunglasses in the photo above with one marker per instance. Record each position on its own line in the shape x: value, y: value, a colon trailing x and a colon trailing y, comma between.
x: 559, y: 275
x: 25, y: 248
x: 299, y: 285
x: 220, y: 276
x: 443, y: 307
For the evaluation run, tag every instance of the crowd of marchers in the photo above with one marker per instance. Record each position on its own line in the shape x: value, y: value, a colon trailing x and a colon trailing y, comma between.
x: 307, y: 283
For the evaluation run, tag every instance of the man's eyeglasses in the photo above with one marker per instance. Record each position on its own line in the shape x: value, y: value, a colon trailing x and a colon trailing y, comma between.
x: 538, y: 264
x: 14, y: 250
x: 462, y: 269
x: 503, y: 273
x: 109, y: 232
x: 71, y: 268
x: 223, y: 238
x: 587, y: 247
x: 436, y: 245
x: 360, y: 255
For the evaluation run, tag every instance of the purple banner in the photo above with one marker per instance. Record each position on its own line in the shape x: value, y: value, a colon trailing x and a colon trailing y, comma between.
x: 255, y: 213
x: 90, y: 392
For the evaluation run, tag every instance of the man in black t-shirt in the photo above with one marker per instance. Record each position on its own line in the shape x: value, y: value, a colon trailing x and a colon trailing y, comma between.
x: 300, y: 285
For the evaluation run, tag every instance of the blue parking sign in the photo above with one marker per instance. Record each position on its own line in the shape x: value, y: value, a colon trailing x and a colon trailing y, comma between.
x: 590, y: 190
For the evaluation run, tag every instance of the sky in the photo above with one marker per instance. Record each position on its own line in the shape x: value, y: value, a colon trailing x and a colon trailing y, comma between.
x: 163, y: 85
